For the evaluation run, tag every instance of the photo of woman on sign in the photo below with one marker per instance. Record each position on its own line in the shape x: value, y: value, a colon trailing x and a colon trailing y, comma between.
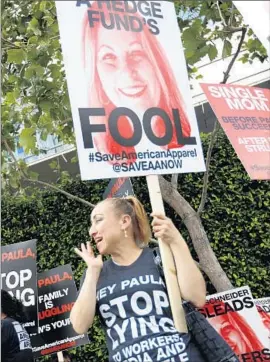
x: 130, y: 69
x: 234, y: 329
x: 265, y: 317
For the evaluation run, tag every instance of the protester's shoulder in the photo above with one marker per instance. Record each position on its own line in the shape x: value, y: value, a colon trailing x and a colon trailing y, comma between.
x: 7, y: 328
x: 7, y: 322
x: 107, y: 264
x: 149, y: 251
x: 107, y: 268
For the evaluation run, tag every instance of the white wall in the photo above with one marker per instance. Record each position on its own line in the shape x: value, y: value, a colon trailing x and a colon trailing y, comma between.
x: 244, y: 74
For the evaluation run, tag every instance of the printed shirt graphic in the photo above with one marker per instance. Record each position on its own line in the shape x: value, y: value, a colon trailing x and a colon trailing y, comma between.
x: 133, y: 305
x: 15, y: 342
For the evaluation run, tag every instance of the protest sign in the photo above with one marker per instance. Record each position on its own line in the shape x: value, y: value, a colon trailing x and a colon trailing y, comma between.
x: 256, y: 15
x: 19, y: 278
x: 263, y: 307
x: 235, y: 317
x: 56, y: 295
x: 129, y: 91
x: 244, y: 114
x: 126, y: 85
x: 119, y: 187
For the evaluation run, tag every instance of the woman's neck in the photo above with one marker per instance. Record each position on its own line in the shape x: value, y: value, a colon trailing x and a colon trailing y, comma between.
x: 126, y: 254
x: 3, y: 316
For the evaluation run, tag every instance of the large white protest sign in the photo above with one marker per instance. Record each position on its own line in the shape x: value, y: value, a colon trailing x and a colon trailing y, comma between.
x: 235, y: 317
x: 129, y: 90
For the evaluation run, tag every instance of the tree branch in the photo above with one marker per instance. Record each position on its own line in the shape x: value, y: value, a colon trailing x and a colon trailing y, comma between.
x: 232, y: 13
x: 228, y: 28
x: 174, y: 180
x: 231, y: 29
x: 227, y: 73
x: 220, y: 15
x: 217, y: 127
x: 10, y: 43
x: 42, y: 183
x: 207, y: 166
x: 208, y: 260
x: 67, y: 194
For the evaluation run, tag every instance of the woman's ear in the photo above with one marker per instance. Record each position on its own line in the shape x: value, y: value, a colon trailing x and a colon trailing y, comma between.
x: 125, y: 221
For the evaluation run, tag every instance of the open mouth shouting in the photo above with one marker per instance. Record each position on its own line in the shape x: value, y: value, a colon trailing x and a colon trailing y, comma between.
x: 98, y: 240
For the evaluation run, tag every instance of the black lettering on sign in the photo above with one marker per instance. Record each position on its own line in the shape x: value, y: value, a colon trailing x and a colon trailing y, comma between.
x: 139, y: 126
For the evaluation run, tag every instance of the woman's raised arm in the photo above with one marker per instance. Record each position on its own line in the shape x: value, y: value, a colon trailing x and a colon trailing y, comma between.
x: 83, y: 311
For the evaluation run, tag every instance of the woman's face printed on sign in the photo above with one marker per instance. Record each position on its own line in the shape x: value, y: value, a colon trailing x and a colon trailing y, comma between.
x: 126, y: 74
x: 231, y: 334
x: 265, y: 318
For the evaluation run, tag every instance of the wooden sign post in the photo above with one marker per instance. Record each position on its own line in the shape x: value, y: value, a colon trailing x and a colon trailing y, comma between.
x: 60, y: 356
x: 110, y: 154
x: 167, y: 260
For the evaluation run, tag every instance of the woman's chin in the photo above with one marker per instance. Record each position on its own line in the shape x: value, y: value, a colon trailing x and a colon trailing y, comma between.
x: 101, y: 249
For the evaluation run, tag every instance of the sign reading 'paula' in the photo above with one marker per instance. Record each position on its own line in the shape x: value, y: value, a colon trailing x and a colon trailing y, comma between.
x: 56, y: 295
x: 19, y: 278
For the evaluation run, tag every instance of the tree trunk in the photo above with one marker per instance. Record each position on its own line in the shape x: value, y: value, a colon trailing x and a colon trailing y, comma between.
x: 208, y: 261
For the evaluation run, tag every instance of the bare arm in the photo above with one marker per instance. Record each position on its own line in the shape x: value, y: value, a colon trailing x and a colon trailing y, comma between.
x: 83, y: 311
x: 190, y: 279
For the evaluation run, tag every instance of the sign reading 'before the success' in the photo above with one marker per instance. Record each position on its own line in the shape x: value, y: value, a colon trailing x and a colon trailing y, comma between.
x: 244, y: 114
x: 129, y: 91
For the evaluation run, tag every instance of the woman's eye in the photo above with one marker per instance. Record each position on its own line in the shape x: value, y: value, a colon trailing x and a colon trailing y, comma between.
x: 226, y: 331
x: 136, y: 55
x: 109, y: 58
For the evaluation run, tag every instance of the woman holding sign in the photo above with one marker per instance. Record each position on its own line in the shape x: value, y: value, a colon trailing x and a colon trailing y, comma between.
x: 127, y: 72
x: 15, y: 341
x: 127, y: 291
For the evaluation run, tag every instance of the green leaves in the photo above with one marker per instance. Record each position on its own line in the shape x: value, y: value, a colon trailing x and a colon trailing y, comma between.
x: 16, y: 56
x: 34, y: 70
x: 43, y: 5
x: 253, y: 49
x: 27, y: 139
x: 33, y: 81
x: 33, y: 175
x: 227, y: 49
x: 54, y: 164
x: 212, y: 52
x: 11, y: 97
x: 34, y: 27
